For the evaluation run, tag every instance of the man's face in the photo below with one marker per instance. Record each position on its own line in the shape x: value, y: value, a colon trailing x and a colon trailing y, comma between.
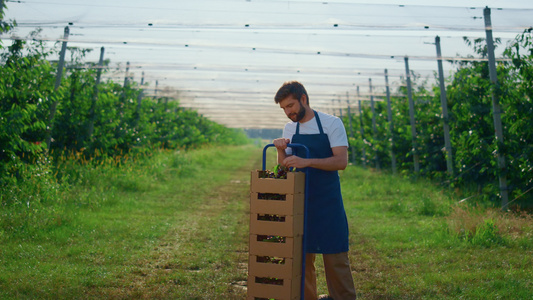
x: 292, y: 108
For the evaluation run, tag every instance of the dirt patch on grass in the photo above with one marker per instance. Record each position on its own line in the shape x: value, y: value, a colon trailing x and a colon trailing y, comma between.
x: 467, y: 221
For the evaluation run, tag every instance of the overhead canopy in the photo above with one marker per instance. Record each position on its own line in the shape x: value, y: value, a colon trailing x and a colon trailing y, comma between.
x: 227, y: 58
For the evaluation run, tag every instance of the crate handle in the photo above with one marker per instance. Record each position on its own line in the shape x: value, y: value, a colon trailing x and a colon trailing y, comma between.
x: 288, y: 145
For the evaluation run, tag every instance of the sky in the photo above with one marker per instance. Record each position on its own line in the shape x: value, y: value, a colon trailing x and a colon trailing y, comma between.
x: 227, y: 58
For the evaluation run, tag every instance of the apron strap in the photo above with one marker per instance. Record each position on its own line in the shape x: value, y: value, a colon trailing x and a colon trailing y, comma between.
x: 317, y: 123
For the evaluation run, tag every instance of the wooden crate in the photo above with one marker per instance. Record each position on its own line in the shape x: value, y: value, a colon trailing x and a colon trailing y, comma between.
x: 289, y: 249
x: 294, y: 184
x: 286, y: 225
x: 276, y: 231
x: 293, y: 204
x: 268, y: 266
x: 289, y: 290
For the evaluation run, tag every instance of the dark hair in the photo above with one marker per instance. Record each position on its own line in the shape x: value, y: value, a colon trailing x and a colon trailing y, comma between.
x: 291, y: 88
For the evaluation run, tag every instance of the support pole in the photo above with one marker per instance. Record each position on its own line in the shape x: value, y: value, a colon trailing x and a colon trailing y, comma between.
x: 139, y: 102
x: 122, y: 102
x: 362, y: 126
x: 340, y: 107
x: 92, y: 115
x: 155, y: 90
x: 412, y: 116
x: 391, y: 124
x: 126, y: 77
x: 374, y: 127
x: 444, y: 104
x: 59, y: 76
x: 496, y: 110
x: 351, y: 127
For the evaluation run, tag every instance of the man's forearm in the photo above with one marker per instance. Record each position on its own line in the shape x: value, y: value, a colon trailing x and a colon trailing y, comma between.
x: 281, y: 156
x: 333, y: 163
x: 338, y: 161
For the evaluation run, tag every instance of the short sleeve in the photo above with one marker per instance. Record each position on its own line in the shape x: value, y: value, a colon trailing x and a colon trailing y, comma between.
x: 337, y: 135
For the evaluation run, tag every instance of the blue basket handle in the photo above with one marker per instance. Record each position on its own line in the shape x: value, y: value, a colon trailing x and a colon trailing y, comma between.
x: 288, y: 145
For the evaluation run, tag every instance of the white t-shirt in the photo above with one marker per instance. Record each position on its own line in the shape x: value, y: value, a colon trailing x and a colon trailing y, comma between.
x: 331, y: 125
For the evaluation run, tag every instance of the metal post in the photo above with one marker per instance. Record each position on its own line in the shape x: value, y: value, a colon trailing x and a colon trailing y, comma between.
x: 92, y: 115
x: 59, y: 76
x: 412, y: 116
x: 391, y: 124
x: 363, y: 150
x: 126, y: 75
x: 374, y: 127
x: 139, y: 101
x: 496, y: 110
x: 351, y: 128
x: 122, y: 102
x: 444, y: 104
x: 340, y: 107
x: 155, y: 90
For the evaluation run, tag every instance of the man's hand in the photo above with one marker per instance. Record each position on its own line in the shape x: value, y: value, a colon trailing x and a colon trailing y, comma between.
x: 295, y: 162
x: 281, y: 143
x: 338, y: 161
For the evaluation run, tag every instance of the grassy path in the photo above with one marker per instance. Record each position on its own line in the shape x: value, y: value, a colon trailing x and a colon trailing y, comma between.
x: 176, y: 227
x: 204, y: 254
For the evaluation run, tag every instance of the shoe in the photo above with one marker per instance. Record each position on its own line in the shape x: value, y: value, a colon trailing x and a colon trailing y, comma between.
x: 324, y: 297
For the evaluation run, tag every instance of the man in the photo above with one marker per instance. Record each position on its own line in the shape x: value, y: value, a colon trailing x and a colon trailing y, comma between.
x: 327, y: 226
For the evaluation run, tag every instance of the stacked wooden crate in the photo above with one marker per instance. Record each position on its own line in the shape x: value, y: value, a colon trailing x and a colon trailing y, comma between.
x: 276, y: 230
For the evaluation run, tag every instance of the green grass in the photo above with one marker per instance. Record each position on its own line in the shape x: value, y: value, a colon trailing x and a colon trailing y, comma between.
x: 174, y: 225
x: 409, y: 240
x: 169, y: 226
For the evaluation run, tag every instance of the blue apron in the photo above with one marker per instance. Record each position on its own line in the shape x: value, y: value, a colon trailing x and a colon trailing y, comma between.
x: 327, y: 226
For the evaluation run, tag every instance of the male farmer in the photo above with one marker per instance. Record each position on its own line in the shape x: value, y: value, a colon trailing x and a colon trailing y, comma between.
x: 327, y: 227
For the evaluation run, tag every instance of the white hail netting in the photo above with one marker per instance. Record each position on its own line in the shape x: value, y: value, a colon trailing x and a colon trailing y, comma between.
x: 227, y: 57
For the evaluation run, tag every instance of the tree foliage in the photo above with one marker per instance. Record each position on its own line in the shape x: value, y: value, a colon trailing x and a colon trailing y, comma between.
x: 474, y: 145
x: 109, y: 119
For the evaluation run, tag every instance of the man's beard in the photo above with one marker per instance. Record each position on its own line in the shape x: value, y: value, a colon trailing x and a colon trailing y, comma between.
x: 299, y: 116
